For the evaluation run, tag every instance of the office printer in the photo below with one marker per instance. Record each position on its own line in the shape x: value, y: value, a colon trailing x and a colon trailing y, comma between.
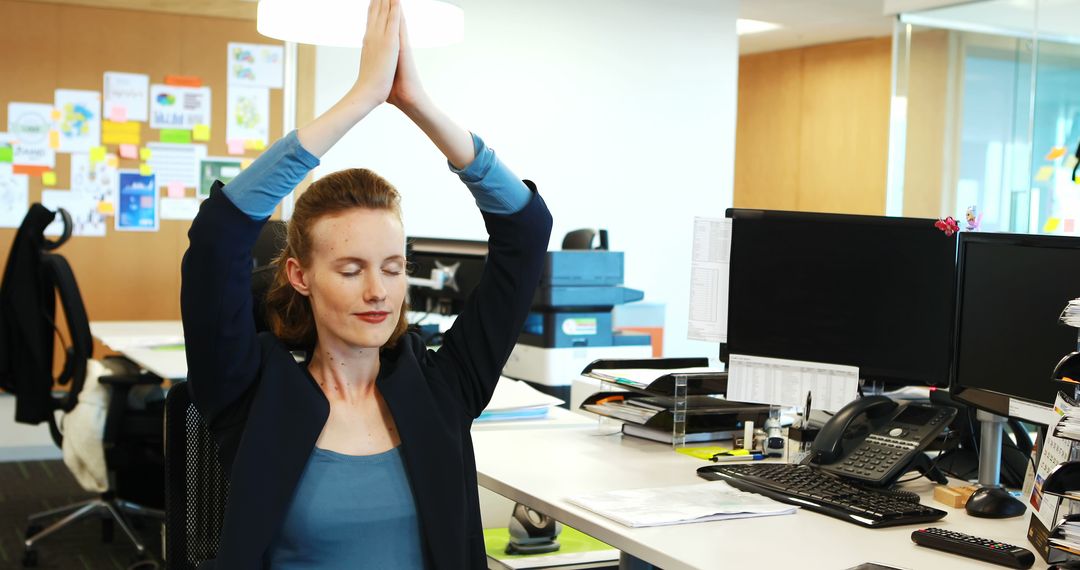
x: 570, y: 324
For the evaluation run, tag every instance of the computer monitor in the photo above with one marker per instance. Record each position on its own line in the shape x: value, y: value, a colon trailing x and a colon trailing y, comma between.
x: 1011, y: 289
x: 443, y: 272
x: 868, y: 291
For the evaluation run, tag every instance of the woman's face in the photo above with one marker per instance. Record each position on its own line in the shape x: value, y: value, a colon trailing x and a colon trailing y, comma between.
x: 356, y: 278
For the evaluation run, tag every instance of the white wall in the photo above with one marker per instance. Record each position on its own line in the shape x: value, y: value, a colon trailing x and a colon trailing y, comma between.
x: 622, y: 111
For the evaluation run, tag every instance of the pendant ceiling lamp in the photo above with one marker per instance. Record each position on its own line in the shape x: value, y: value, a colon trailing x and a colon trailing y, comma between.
x: 341, y: 23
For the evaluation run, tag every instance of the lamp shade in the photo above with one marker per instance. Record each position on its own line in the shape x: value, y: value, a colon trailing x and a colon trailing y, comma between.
x: 341, y: 23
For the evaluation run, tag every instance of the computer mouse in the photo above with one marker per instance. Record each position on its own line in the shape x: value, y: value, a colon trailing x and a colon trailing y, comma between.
x: 994, y: 503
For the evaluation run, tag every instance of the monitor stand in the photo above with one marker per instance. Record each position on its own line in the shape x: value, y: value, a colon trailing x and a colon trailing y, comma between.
x: 991, y: 500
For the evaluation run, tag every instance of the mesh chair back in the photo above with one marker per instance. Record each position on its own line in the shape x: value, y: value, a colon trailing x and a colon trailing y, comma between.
x: 196, y: 487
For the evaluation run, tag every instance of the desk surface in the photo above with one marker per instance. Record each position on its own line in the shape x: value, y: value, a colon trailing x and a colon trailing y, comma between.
x: 155, y: 345
x: 540, y: 468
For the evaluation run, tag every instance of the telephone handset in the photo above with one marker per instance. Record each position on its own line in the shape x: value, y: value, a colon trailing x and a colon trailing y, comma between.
x: 876, y: 440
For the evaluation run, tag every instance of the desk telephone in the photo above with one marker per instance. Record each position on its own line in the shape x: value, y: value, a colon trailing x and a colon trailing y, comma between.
x: 876, y: 440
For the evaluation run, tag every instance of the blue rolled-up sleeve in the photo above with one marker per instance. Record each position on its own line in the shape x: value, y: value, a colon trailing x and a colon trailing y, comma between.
x: 496, y: 189
x: 257, y: 190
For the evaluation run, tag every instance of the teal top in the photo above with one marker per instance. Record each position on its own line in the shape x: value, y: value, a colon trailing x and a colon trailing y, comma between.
x: 350, y: 511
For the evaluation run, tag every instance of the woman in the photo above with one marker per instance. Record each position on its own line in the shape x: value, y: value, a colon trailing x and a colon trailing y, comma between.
x: 360, y: 456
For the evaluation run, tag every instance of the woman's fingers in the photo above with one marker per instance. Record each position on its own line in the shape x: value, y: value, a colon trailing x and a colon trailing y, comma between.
x: 393, y: 17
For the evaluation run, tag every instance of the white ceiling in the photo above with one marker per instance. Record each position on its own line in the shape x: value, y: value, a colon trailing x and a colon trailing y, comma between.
x: 809, y: 22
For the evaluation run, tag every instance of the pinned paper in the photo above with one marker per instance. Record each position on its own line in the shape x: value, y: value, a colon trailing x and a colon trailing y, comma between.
x: 1045, y: 173
x: 112, y: 161
x: 145, y: 170
x: 145, y: 154
x: 254, y: 144
x: 54, y: 139
x: 1070, y: 225
x: 7, y: 154
x: 118, y: 114
x: 1071, y: 161
x: 175, y: 189
x: 175, y: 136
x: 236, y: 146
x: 1055, y: 153
x: 129, y: 151
x: 201, y: 132
x: 48, y: 178
x: 1051, y: 225
x: 245, y: 163
x: 106, y: 208
x: 97, y: 154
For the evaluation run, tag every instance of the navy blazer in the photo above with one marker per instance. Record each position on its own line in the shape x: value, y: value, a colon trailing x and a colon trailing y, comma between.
x: 266, y: 411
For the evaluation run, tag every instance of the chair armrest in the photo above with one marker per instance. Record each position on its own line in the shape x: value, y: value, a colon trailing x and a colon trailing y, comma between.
x: 129, y: 380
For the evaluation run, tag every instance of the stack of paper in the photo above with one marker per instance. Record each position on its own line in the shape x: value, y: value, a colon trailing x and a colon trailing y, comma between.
x: 1067, y: 537
x: 642, y: 377
x: 1068, y: 426
x: 699, y: 502
x: 1071, y: 314
x: 516, y: 400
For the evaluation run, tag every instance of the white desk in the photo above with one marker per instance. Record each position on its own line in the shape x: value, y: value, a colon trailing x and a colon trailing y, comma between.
x: 540, y: 468
x: 150, y: 344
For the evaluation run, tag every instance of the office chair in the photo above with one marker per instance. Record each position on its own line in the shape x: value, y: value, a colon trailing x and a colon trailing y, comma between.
x: 197, y: 487
x: 583, y: 239
x: 32, y: 280
x: 269, y: 244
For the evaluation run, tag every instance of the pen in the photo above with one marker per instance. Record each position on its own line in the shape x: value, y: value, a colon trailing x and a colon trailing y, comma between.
x: 745, y: 457
x: 806, y: 410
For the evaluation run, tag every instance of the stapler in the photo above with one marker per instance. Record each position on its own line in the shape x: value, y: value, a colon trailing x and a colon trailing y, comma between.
x: 532, y: 532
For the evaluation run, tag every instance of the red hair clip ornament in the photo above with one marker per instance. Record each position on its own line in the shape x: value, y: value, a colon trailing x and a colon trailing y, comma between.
x: 948, y: 225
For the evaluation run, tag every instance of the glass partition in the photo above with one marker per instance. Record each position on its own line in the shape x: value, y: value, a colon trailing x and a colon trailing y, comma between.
x: 986, y: 115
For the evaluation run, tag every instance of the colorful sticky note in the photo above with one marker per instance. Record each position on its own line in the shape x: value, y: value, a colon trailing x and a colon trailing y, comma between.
x: 201, y: 132
x: 7, y: 154
x: 56, y: 114
x: 183, y: 80
x: 120, y: 133
x: 1070, y: 225
x: 144, y: 154
x: 175, y: 189
x: 112, y: 161
x: 145, y: 170
x: 245, y: 163
x: 1051, y: 225
x: 175, y: 136
x: 254, y: 144
x: 54, y: 139
x: 236, y: 146
x: 97, y: 154
x: 48, y: 178
x: 118, y: 114
x: 1055, y: 153
x: 1045, y: 173
x: 105, y: 208
x: 129, y: 151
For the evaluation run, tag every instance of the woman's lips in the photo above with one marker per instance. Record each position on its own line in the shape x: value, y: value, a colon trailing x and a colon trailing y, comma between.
x: 373, y: 317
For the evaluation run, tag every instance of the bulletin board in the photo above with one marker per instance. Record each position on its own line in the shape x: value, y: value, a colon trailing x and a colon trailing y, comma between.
x: 123, y: 275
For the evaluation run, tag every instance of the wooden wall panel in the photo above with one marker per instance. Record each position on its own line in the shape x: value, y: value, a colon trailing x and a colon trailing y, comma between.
x: 926, y: 148
x: 814, y: 128
x: 767, y: 132
x: 125, y: 275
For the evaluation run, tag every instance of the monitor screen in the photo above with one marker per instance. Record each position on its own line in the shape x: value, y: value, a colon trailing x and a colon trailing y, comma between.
x: 1010, y: 293
x: 461, y: 261
x: 868, y: 291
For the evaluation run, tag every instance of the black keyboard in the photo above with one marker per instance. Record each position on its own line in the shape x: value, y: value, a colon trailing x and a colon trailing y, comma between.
x: 821, y: 492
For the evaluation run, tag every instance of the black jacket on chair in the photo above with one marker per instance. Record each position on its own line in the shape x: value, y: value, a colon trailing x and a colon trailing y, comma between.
x: 26, y: 335
x: 267, y: 412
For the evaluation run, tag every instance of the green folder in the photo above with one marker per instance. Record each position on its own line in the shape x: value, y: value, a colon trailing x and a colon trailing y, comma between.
x: 574, y: 545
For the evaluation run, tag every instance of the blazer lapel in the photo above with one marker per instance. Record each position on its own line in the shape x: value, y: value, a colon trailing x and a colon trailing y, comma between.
x: 287, y: 415
x: 431, y: 447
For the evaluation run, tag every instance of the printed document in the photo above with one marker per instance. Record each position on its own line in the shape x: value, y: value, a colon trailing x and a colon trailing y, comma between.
x: 786, y: 382
x: 709, y: 280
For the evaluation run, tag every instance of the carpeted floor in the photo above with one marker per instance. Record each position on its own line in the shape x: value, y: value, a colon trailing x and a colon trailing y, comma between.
x: 28, y: 487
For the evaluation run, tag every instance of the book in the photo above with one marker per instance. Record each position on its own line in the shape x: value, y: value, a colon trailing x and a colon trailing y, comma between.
x: 664, y: 436
x: 577, y: 550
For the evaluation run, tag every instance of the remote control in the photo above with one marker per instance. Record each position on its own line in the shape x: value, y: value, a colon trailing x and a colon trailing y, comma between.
x: 974, y: 547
